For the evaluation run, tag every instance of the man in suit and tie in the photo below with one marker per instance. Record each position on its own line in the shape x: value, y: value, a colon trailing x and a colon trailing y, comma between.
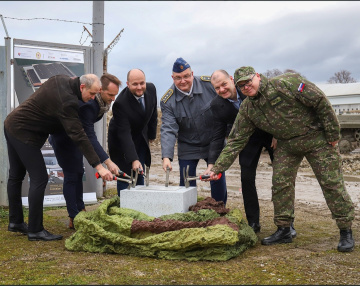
x: 133, y: 125
x: 225, y: 108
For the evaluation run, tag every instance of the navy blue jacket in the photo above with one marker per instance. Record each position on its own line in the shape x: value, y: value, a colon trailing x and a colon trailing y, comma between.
x: 68, y: 155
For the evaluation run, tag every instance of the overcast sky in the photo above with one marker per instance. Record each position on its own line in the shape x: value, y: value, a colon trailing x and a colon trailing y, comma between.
x: 315, y: 38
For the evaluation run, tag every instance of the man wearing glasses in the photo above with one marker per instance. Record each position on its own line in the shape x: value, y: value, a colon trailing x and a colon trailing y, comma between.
x: 187, y: 118
x: 225, y: 107
x: 301, y: 118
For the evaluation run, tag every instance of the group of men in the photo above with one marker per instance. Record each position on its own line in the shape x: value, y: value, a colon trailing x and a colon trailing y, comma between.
x: 287, y: 115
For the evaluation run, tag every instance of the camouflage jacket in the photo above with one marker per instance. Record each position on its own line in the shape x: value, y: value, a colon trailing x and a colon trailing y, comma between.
x: 286, y: 106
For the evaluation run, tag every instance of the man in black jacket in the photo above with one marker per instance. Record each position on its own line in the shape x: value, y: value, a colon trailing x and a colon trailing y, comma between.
x: 133, y: 124
x: 52, y: 108
x: 225, y: 108
x: 70, y: 157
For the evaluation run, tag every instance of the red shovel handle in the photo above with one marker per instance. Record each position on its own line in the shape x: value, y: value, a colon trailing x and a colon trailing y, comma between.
x: 97, y: 175
x: 203, y: 177
x: 122, y: 174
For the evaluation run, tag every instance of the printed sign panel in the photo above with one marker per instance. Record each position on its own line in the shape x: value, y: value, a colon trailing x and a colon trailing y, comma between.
x: 34, y: 65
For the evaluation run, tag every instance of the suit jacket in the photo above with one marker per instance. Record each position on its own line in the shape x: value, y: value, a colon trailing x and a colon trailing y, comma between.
x: 131, y: 127
x: 224, y: 113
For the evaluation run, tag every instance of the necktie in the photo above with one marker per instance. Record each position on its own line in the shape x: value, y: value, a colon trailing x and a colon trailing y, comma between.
x: 141, y: 101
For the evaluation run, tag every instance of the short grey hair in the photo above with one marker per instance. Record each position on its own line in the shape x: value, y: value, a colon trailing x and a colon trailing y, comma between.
x: 89, y: 79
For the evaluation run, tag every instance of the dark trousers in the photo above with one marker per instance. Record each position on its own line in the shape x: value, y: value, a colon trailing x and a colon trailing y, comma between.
x: 73, y: 192
x: 250, y: 197
x: 248, y: 176
x: 22, y: 158
x: 140, y: 181
x: 70, y: 159
x: 218, y: 188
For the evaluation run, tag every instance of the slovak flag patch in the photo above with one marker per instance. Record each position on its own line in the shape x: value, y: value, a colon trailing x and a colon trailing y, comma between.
x: 301, y: 87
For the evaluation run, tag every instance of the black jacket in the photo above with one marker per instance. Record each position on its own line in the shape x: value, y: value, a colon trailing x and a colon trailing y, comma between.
x: 68, y: 155
x: 224, y: 113
x: 130, y: 127
x: 51, y: 109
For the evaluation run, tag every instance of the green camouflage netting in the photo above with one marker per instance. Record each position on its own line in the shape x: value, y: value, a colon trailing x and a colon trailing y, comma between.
x: 108, y: 229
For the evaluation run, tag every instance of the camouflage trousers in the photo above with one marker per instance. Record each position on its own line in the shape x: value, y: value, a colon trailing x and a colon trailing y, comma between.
x: 325, y: 161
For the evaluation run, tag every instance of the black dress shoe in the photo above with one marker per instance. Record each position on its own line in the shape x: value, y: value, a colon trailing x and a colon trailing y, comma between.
x: 292, y: 230
x: 346, y: 243
x: 255, y: 226
x: 43, y: 235
x: 282, y: 235
x: 18, y: 227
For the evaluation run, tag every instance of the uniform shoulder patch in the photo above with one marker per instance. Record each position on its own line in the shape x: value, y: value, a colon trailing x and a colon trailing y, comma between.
x: 205, y: 78
x: 167, y: 95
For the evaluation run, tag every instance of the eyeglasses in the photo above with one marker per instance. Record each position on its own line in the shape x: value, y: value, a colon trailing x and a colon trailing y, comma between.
x: 185, y: 77
x: 247, y: 83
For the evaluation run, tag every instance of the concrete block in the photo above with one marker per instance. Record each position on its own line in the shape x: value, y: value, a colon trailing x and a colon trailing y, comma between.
x: 158, y: 200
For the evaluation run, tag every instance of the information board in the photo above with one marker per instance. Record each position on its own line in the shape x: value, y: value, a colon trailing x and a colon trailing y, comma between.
x: 34, y: 63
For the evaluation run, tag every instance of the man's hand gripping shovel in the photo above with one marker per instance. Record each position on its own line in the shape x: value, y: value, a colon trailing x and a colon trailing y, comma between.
x: 187, y: 179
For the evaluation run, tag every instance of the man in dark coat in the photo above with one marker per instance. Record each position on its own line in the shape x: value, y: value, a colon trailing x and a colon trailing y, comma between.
x: 133, y: 124
x: 70, y: 157
x: 52, y: 108
x: 225, y: 108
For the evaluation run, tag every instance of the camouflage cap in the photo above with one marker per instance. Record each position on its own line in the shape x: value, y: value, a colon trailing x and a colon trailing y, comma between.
x: 243, y: 73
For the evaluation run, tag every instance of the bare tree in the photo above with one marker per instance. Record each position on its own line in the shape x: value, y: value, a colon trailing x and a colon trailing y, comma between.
x: 275, y: 72
x: 342, y: 76
x: 272, y: 73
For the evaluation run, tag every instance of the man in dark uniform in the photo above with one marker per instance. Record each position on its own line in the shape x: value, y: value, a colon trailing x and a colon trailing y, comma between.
x: 301, y: 118
x: 225, y: 107
x: 133, y: 125
x: 187, y: 118
x: 52, y: 108
x: 70, y: 157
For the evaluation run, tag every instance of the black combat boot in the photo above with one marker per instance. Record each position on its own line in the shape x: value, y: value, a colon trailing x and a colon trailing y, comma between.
x: 282, y: 235
x: 346, y: 243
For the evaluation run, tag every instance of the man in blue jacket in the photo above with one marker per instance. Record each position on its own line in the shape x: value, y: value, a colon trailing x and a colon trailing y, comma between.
x: 69, y: 156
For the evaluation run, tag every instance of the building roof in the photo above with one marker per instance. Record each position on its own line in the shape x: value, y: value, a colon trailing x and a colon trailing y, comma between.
x: 340, y: 89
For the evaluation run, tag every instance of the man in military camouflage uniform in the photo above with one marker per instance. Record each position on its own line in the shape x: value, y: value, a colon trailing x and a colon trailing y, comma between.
x: 187, y: 117
x: 301, y: 118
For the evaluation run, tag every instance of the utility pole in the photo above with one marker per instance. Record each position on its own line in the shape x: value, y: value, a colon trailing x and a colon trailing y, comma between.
x: 5, y: 108
x: 97, y: 61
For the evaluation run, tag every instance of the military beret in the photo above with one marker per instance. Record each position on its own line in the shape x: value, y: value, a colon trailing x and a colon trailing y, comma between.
x: 180, y: 65
x: 243, y: 73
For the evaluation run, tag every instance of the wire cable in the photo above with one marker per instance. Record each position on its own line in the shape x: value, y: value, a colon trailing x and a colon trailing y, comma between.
x: 60, y: 20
